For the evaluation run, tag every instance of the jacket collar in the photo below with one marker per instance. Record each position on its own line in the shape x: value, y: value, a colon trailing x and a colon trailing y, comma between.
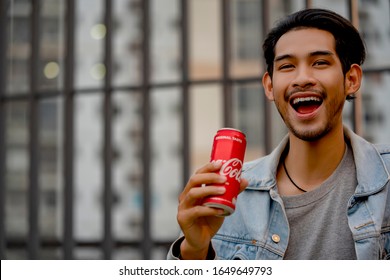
x: 261, y: 173
x: 372, y: 173
x: 371, y: 177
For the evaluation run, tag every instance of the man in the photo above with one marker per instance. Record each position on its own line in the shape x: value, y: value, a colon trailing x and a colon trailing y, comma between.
x: 323, y: 193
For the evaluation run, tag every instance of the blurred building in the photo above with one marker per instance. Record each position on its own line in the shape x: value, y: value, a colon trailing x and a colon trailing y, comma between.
x: 150, y: 82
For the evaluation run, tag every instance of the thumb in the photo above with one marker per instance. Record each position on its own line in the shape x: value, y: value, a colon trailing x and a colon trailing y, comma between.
x: 244, y: 183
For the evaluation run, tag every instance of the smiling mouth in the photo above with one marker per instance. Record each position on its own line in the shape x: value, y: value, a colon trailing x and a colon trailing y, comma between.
x: 306, y: 105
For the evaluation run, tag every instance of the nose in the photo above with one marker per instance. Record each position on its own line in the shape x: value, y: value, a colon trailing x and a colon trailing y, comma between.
x: 304, y: 77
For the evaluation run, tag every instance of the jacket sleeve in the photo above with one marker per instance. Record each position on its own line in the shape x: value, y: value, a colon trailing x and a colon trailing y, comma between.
x: 174, y: 251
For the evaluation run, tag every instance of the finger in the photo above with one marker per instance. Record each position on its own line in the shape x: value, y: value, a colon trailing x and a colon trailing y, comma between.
x: 198, y: 180
x: 187, y: 216
x: 206, y: 179
x: 209, y: 167
x: 195, y: 195
x: 243, y: 184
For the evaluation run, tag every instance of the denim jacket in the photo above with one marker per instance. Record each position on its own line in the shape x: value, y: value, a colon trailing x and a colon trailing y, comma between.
x: 259, y: 228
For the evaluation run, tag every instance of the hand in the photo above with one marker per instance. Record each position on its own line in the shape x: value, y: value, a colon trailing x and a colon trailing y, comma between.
x: 200, y: 223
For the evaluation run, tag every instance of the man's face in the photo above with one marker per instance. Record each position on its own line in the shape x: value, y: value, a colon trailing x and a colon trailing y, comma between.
x: 308, y: 84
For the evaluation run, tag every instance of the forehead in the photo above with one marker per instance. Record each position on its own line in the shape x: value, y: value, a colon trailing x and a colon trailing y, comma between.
x: 305, y: 40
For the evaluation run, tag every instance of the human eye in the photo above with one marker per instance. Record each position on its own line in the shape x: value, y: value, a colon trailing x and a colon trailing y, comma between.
x: 285, y: 66
x: 321, y: 62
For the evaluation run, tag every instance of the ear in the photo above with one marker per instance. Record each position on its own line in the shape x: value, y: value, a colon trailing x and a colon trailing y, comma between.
x: 268, y: 88
x: 353, y: 79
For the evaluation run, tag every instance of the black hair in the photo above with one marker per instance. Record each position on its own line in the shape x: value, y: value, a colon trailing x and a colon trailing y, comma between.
x: 349, y: 45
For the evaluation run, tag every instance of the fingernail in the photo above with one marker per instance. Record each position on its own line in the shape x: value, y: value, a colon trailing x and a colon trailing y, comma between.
x: 217, y: 163
x: 221, y: 190
x: 222, y: 179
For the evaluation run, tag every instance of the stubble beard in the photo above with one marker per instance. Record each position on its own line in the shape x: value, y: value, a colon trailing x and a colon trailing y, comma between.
x: 309, y: 135
x: 318, y: 133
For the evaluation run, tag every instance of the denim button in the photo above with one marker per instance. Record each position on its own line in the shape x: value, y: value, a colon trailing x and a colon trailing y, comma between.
x: 275, y: 238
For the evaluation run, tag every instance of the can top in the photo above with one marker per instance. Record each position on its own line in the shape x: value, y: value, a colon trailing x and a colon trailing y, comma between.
x: 232, y: 129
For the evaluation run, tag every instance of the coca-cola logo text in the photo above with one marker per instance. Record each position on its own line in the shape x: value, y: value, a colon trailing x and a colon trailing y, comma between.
x: 231, y: 168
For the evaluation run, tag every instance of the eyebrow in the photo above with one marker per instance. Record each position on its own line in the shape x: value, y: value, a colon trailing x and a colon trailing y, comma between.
x: 315, y: 53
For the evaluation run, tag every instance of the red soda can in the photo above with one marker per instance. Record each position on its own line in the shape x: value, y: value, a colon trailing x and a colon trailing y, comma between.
x: 229, y: 148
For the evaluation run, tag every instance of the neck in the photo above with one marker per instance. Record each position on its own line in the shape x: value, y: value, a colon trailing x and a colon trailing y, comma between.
x: 311, y: 163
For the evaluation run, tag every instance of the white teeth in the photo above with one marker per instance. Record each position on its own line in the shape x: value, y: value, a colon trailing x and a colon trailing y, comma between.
x: 306, y: 99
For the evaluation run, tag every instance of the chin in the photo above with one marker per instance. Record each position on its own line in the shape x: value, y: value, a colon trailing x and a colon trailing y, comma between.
x: 310, y: 135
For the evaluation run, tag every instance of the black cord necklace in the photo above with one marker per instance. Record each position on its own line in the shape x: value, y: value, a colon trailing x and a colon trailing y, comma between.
x: 291, y: 180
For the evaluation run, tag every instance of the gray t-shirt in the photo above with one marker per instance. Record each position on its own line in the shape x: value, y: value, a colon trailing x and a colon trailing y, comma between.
x: 318, y: 219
